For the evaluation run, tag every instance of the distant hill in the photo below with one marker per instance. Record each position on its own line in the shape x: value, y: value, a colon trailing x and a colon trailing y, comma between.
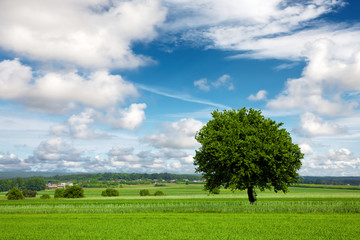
x: 7, y: 175
x: 353, y: 181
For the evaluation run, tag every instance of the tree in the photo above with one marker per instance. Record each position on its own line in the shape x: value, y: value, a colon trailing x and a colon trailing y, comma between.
x: 59, y: 193
x: 110, y: 192
x: 145, y: 192
x: 29, y: 193
x: 244, y: 150
x: 159, y: 193
x: 15, y: 194
x: 74, y: 192
x: 35, y: 184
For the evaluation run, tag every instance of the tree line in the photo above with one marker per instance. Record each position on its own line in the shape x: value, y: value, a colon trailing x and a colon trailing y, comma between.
x: 125, y: 176
x: 33, y: 183
x: 93, y: 180
x: 353, y: 181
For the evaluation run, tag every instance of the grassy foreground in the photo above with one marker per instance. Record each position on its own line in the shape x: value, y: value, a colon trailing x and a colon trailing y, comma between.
x: 180, y: 226
x: 186, y: 212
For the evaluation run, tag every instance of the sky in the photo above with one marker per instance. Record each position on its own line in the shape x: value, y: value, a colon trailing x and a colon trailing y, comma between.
x: 123, y: 86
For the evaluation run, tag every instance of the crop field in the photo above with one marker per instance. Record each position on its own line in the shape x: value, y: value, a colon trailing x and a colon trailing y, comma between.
x: 186, y: 212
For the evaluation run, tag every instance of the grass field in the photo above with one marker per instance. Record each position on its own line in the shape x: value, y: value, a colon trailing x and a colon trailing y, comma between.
x: 186, y: 212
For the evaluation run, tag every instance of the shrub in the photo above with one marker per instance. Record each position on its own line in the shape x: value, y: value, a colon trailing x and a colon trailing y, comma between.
x: 45, y: 196
x: 29, y: 193
x: 59, y: 193
x: 110, y: 192
x: 159, y: 193
x: 144, y: 192
x: 15, y: 194
x: 74, y: 192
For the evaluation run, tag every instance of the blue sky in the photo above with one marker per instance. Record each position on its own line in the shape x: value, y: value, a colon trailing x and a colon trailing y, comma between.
x: 123, y: 86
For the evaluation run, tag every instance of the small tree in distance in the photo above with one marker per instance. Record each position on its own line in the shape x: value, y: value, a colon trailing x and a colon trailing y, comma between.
x: 145, y: 192
x: 159, y: 193
x: 244, y: 150
x: 110, y: 192
x: 74, y: 192
x: 59, y: 193
x: 15, y: 194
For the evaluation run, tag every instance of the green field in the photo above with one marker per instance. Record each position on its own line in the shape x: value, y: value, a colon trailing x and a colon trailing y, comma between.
x: 186, y: 212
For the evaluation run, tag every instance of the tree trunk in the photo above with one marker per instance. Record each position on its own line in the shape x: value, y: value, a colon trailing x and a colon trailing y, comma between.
x: 251, y: 195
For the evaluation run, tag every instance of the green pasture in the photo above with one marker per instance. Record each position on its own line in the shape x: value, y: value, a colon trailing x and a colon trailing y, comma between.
x: 186, y: 212
x: 180, y: 226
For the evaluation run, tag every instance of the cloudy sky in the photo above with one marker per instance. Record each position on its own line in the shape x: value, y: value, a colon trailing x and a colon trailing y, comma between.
x: 123, y: 86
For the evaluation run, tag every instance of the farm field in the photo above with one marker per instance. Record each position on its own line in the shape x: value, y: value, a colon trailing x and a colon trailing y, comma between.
x: 186, y: 212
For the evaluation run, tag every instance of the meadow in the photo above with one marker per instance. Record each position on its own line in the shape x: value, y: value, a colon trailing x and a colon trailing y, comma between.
x: 186, y: 212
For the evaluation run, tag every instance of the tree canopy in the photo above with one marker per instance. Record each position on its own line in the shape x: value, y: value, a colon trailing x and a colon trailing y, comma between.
x: 244, y: 150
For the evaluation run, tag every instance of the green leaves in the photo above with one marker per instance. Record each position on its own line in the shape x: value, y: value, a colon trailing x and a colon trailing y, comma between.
x: 242, y: 149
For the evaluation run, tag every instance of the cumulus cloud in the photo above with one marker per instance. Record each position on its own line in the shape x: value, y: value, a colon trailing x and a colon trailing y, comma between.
x: 332, y: 71
x: 306, y: 149
x: 80, y: 126
x: 54, y: 150
x: 128, y: 118
x: 176, y: 135
x: 60, y: 92
x: 92, y: 34
x: 83, y: 125
x: 202, y: 84
x: 223, y: 81
x: 56, y: 154
x: 312, y: 125
x: 164, y: 160
x: 11, y: 162
x: 260, y: 95
x: 334, y: 163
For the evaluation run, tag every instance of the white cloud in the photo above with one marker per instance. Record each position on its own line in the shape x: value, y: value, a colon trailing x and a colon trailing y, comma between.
x: 96, y: 33
x: 260, y: 95
x: 80, y: 126
x: 332, y: 50
x: 332, y: 70
x: 269, y: 16
x: 189, y: 159
x: 312, y: 125
x: 11, y: 162
x: 286, y: 66
x: 334, y: 163
x: 306, y: 149
x: 129, y: 118
x: 59, y: 92
x: 55, y: 154
x: 83, y: 125
x: 179, y: 134
x: 223, y: 81
x: 181, y: 97
x: 54, y: 150
x: 202, y: 84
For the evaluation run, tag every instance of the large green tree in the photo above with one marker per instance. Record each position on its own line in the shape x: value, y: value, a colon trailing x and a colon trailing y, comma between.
x: 244, y: 150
